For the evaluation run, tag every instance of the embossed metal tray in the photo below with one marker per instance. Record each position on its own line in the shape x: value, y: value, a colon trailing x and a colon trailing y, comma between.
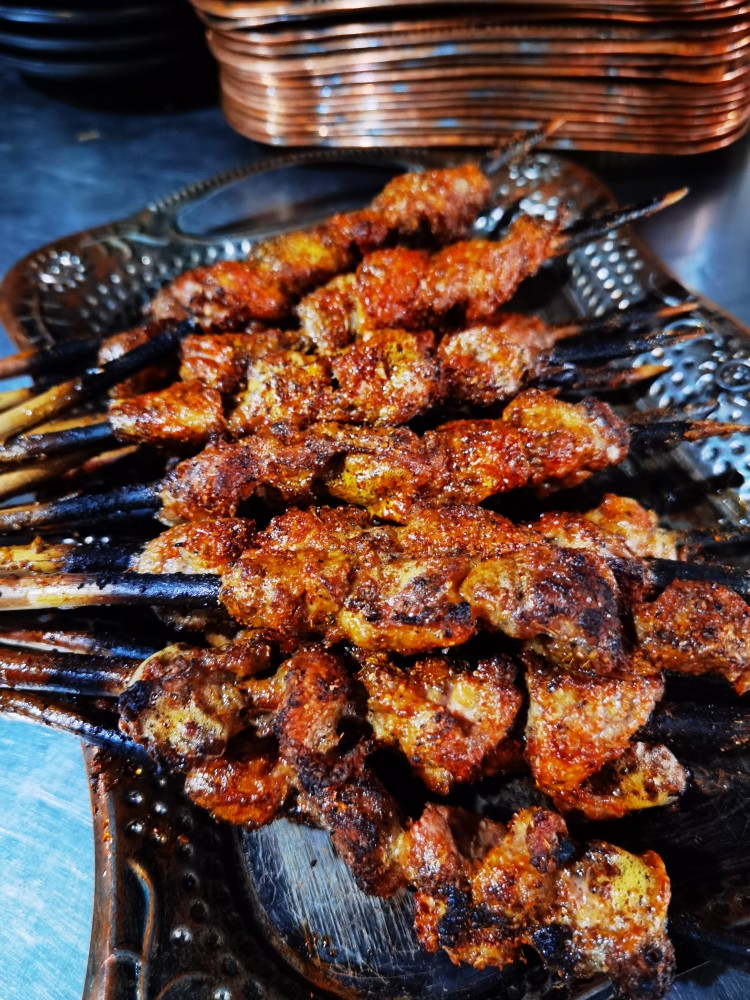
x: 187, y: 908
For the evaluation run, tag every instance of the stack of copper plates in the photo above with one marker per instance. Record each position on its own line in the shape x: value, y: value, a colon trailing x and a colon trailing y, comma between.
x: 628, y: 75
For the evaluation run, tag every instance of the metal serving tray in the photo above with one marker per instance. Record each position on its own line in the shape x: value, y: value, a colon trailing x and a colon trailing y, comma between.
x: 187, y: 908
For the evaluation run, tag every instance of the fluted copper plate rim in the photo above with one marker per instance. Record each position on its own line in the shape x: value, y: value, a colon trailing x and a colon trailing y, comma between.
x: 605, y: 64
x: 273, y: 10
x: 453, y: 137
x: 720, y: 32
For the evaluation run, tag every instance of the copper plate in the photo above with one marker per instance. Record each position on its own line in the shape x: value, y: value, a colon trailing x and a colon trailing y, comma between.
x: 276, y: 57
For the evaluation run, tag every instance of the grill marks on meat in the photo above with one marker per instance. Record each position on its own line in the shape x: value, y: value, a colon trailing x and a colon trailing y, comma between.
x: 466, y: 282
x: 187, y: 703
x: 564, y: 603
x: 608, y: 917
x: 484, y: 364
x: 696, y: 628
x: 484, y: 890
x: 298, y: 748
x: 451, y: 722
x: 185, y: 414
x: 642, y: 777
x: 573, y: 440
x: 230, y: 294
x: 220, y: 360
x: 333, y: 573
x: 480, y: 366
x: 387, y: 378
x: 442, y: 202
x: 388, y: 471
x: 617, y: 528
x: 248, y: 788
x: 197, y: 547
x: 478, y: 277
x: 565, y: 711
x: 578, y: 743
x: 279, y: 270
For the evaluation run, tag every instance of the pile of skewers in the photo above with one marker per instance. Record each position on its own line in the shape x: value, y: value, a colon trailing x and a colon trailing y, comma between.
x: 335, y: 419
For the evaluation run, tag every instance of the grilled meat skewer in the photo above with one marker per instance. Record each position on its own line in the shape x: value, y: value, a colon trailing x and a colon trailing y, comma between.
x: 386, y: 379
x: 485, y: 888
x: 497, y: 888
x: 464, y: 284
x: 433, y: 582
x: 538, y: 441
x: 450, y: 718
x: 497, y: 269
x: 619, y: 528
x: 439, y: 204
x: 231, y: 293
x: 220, y: 360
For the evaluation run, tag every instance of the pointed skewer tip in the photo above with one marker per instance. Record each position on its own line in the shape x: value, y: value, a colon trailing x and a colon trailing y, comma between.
x: 674, y: 196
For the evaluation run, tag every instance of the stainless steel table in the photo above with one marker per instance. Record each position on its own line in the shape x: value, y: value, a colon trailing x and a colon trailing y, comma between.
x: 65, y: 168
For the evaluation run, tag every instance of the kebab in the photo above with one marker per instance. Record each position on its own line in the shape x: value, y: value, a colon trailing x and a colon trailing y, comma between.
x: 498, y: 268
x: 500, y: 359
x: 539, y: 440
x: 405, y: 708
x: 435, y: 582
x: 455, y: 719
x: 451, y: 720
x: 386, y: 379
x: 434, y: 206
x: 442, y: 204
x: 299, y: 754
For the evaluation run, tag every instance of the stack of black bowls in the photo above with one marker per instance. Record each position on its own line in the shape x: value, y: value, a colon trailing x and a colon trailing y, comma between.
x: 100, y: 40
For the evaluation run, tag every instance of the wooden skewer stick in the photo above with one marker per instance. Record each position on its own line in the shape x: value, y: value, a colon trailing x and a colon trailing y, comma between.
x: 47, y: 444
x: 584, y: 353
x: 58, y: 715
x: 40, y: 361
x: 66, y: 673
x: 634, y: 317
x: 646, y: 429
x: 697, y: 543
x: 12, y: 397
x: 717, y: 726
x: 71, y: 557
x: 69, y: 509
x: 21, y: 480
x: 75, y: 590
x: 57, y: 639
x: 67, y: 394
x: 517, y: 147
x: 586, y: 230
x: 79, y: 590
x: 664, y: 571
x: 600, y: 379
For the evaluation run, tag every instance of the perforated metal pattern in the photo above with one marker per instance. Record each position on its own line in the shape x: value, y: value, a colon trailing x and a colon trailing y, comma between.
x: 711, y: 373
